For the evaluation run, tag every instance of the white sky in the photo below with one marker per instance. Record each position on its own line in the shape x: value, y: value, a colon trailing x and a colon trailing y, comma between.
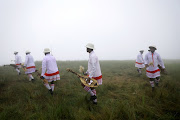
x: 117, y: 28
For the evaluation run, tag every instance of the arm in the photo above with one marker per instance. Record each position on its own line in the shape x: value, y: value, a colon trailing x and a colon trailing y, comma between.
x: 26, y: 60
x: 140, y: 58
x: 43, y: 67
x: 20, y: 60
x: 161, y: 63
x: 146, y: 61
x: 94, y: 62
x: 15, y: 60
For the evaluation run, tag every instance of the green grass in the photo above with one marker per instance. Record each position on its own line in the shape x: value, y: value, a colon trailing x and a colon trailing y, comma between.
x: 123, y: 96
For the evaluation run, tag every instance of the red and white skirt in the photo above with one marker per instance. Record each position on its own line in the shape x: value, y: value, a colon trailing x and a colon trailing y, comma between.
x: 30, y: 69
x: 18, y: 65
x: 152, y: 73
x: 139, y: 65
x: 52, y: 76
x: 99, y: 79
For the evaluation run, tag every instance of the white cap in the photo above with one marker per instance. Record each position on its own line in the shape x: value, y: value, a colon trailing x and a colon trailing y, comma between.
x: 15, y: 52
x: 27, y: 51
x: 90, y: 46
x: 47, y: 50
x: 153, y: 46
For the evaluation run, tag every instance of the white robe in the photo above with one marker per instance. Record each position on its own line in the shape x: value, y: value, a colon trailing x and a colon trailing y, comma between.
x: 49, y: 68
x: 153, y: 60
x: 139, y: 61
x: 18, y: 60
x: 29, y: 63
x: 94, y: 69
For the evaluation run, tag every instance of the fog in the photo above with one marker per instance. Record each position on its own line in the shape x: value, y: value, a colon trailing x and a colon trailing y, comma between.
x: 117, y: 28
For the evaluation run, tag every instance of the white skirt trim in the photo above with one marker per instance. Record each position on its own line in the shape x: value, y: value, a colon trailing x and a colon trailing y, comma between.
x: 153, y: 74
x: 139, y: 66
x: 30, y: 70
x: 52, y: 78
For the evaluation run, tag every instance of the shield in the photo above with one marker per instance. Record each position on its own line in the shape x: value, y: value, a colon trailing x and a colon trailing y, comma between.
x: 93, y: 82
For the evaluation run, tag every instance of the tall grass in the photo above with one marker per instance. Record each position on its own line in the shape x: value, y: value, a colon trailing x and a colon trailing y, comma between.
x: 123, y: 96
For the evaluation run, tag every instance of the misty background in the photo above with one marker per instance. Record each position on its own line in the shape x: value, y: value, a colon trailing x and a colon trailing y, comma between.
x: 117, y: 28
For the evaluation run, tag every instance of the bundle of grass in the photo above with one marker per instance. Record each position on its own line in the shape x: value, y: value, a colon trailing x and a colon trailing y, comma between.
x: 81, y: 69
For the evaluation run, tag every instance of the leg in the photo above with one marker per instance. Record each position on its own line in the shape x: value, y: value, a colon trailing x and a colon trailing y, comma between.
x: 157, y: 81
x: 17, y: 69
x: 88, y: 89
x: 94, y: 98
x: 139, y: 71
x: 32, y: 77
x: 29, y: 75
x: 92, y: 92
x: 52, y: 85
x: 46, y: 84
x: 152, y: 83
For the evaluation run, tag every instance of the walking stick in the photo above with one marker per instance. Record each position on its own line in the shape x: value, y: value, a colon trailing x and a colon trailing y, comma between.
x: 12, y: 65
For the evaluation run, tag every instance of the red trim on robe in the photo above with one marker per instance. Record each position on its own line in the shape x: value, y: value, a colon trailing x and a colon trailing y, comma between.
x: 139, y: 63
x: 51, y: 74
x: 97, y: 78
x: 153, y: 71
x: 30, y: 67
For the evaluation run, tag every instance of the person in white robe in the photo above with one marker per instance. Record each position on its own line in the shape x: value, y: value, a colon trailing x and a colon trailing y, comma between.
x: 29, y: 65
x: 50, y: 70
x: 94, y: 71
x: 140, y: 62
x: 152, y: 59
x: 18, y: 62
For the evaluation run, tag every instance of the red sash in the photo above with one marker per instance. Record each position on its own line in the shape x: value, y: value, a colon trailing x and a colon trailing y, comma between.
x: 51, y: 74
x: 153, y: 71
x: 139, y: 63
x: 30, y: 67
x: 97, y: 78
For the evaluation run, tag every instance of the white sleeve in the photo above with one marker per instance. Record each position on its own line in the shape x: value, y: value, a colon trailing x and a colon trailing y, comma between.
x: 94, y: 63
x: 137, y: 58
x: 140, y: 58
x: 15, y: 60
x: 142, y: 61
x: 146, y: 59
x: 87, y: 72
x: 43, y: 67
x: 26, y: 60
x: 20, y: 60
x: 160, y: 61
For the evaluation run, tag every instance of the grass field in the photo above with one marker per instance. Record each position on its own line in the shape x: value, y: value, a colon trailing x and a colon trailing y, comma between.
x: 123, y: 96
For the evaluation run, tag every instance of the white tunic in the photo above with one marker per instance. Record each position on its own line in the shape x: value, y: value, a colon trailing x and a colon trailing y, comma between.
x: 153, y: 59
x: 139, y: 61
x: 49, y: 68
x: 18, y: 60
x: 94, y: 69
x: 29, y: 63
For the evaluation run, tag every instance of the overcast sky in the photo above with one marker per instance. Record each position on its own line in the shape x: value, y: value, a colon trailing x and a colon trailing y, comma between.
x: 117, y: 28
